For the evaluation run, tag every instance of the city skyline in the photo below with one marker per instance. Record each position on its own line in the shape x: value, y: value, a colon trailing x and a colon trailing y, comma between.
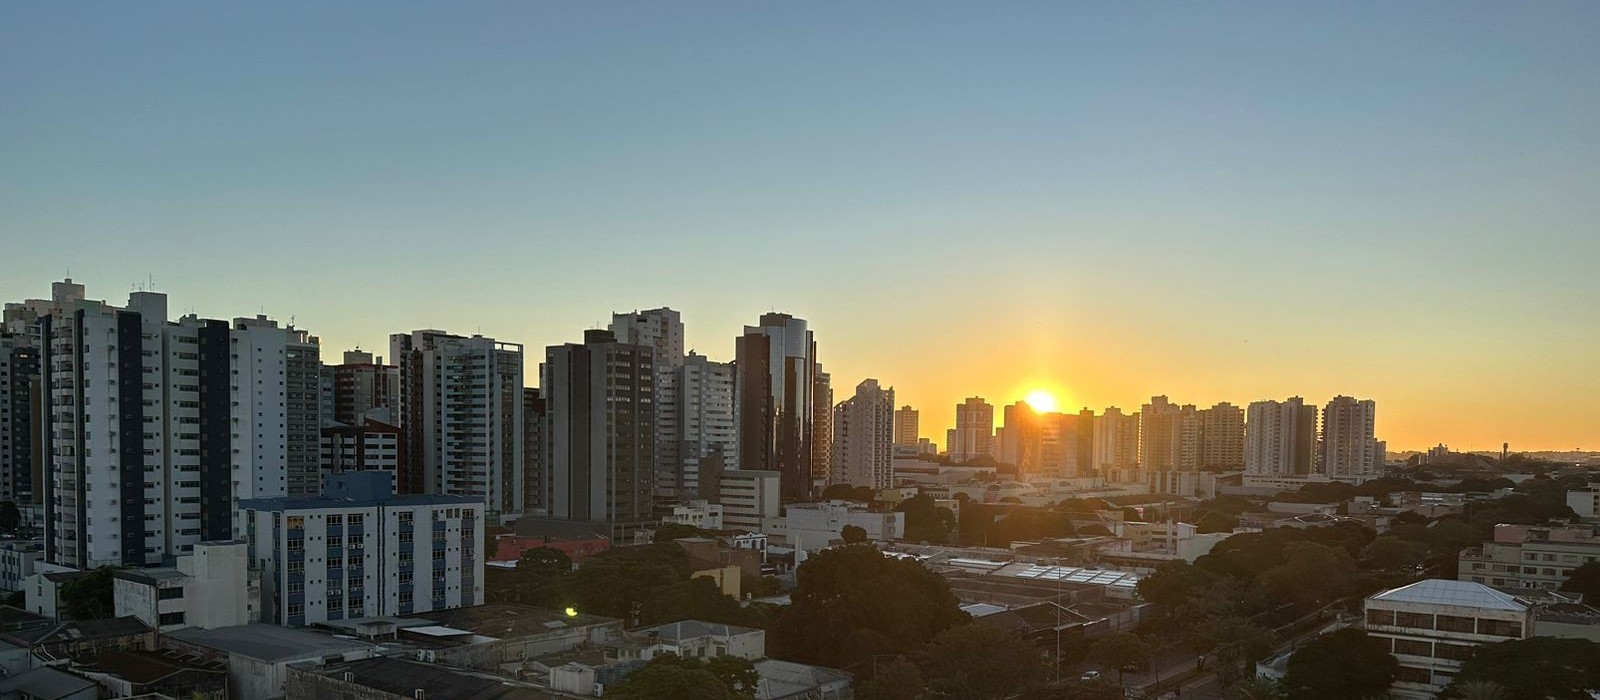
x: 1230, y: 203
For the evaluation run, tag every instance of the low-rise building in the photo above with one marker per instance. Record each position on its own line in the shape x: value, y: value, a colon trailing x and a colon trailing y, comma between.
x: 1432, y: 626
x: 815, y: 526
x: 402, y: 679
x: 360, y: 550
x: 46, y: 683
x: 258, y: 656
x: 1529, y: 556
x: 701, y: 514
x: 134, y: 673
x: 18, y: 559
x: 211, y: 587
x: 1585, y: 502
x: 748, y: 498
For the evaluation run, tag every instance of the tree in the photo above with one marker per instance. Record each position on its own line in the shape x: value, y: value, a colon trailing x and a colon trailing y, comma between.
x: 1586, y: 580
x: 1120, y: 650
x: 90, y: 596
x: 1482, y: 690
x: 853, y: 534
x: 850, y: 603
x: 1393, y: 553
x: 1239, y: 644
x: 676, y: 531
x: 980, y: 662
x: 1255, y: 689
x: 1216, y: 522
x: 544, y: 563
x: 898, y: 679
x: 847, y: 492
x: 1310, y: 573
x: 925, y: 520
x: 1537, y: 668
x: 613, y: 582
x: 10, y: 517
x: 671, y: 676
x: 1338, y: 666
x: 693, y: 599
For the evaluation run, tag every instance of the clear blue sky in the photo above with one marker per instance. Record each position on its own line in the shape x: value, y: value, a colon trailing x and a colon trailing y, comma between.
x: 1217, y: 201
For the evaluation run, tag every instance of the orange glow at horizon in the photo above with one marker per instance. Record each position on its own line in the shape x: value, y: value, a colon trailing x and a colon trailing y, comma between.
x: 1042, y: 401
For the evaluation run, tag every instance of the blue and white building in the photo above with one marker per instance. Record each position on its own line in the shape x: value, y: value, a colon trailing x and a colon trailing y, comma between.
x: 360, y: 550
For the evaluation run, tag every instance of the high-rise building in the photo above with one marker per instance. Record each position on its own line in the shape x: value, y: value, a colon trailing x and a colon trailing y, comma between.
x: 821, y: 427
x: 601, y: 403
x: 1169, y: 436
x: 863, y: 437
x: 906, y: 431
x: 1021, y: 443
x: 1066, y: 444
x: 1280, y: 438
x: 21, y: 415
x: 364, y: 387
x: 1222, y: 437
x: 156, y: 429
x: 660, y: 329
x: 461, y: 416
x: 371, y: 445
x: 776, y: 378
x: 535, y: 450
x: 1348, y: 446
x: 973, y: 435
x: 362, y: 551
x: 694, y: 421
x: 1116, y: 445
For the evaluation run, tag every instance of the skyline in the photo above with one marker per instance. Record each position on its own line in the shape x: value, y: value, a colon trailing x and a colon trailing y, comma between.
x: 1039, y: 395
x: 1229, y: 203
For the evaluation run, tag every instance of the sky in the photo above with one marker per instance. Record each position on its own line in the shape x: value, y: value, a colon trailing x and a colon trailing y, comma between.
x: 1222, y: 201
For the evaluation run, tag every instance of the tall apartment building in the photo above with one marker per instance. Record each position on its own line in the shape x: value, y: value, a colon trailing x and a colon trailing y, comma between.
x: 694, y: 421
x: 1116, y: 445
x: 821, y: 426
x: 863, y: 437
x: 973, y: 435
x: 775, y: 385
x: 1348, y: 445
x: 1066, y: 444
x: 906, y: 430
x: 1169, y: 436
x: 461, y: 417
x: 1222, y: 429
x: 364, y: 387
x: 21, y: 415
x: 156, y: 428
x: 601, y: 402
x: 1280, y: 438
x: 1021, y: 442
x: 371, y: 445
x: 660, y: 329
x: 535, y: 450
x: 362, y: 551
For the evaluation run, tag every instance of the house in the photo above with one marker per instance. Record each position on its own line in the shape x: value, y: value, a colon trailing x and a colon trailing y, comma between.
x: 47, y: 683
x: 258, y: 656
x: 42, y: 589
x: 138, y: 672
x: 696, y: 639
x: 785, y: 680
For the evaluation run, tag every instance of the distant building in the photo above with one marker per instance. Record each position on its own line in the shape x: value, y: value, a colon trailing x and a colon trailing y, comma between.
x: 535, y: 450
x: 1222, y: 437
x: 906, y: 431
x: 259, y: 657
x: 1530, y: 556
x: 821, y: 427
x: 361, y: 550
x: 1584, y: 502
x: 601, y: 398
x: 364, y: 387
x: 748, y: 498
x: 370, y: 445
x: 21, y: 415
x: 461, y: 416
x: 863, y: 437
x: 18, y: 560
x: 1432, y: 626
x: 661, y: 330
x: 1116, y: 445
x: 694, y: 422
x: 973, y: 435
x: 777, y: 378
x: 1021, y: 442
x: 1348, y: 446
x: 815, y: 526
x: 1280, y: 438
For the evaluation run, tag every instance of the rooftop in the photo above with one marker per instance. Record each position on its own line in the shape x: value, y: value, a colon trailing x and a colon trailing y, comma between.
x: 268, y: 642
x: 44, y: 683
x: 503, y: 620
x: 141, y: 667
x: 785, y: 679
x: 404, y: 678
x: 1437, y: 591
x: 692, y: 629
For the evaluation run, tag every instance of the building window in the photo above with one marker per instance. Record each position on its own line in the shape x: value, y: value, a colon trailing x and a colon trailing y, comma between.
x: 170, y: 593
x: 1416, y: 620
x: 172, y: 618
x: 1499, y: 628
x: 336, y: 520
x: 1380, y: 617
x: 296, y: 522
x: 1452, y: 623
x: 1412, y: 647
x: 296, y: 610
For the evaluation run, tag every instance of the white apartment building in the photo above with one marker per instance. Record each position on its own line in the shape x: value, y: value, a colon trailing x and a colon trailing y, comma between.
x: 212, y: 587
x: 694, y: 422
x: 659, y: 329
x: 906, y: 430
x: 156, y: 428
x: 18, y: 561
x: 1116, y: 445
x: 363, y: 551
x: 370, y: 446
x: 863, y: 437
x: 1348, y: 444
x: 1432, y: 626
x: 749, y: 498
x: 1584, y: 502
x: 461, y: 417
x: 814, y: 526
x: 1530, y: 556
x: 1280, y: 438
x: 973, y: 435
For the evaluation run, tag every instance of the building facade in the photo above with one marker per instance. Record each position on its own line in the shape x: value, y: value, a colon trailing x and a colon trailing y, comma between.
x: 1432, y: 626
x: 363, y: 551
x: 863, y: 437
x: 973, y: 435
x: 1349, y: 446
x: 21, y: 414
x: 601, y: 402
x: 461, y: 417
x: 748, y: 498
x: 1222, y: 429
x: 1530, y: 557
x: 776, y: 379
x: 1116, y: 445
x: 906, y: 430
x: 694, y: 422
x: 1280, y: 438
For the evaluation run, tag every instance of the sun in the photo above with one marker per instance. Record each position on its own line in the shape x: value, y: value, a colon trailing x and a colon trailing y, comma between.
x: 1042, y: 401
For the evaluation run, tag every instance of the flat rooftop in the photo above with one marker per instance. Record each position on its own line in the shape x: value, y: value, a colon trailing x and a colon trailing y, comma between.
x: 269, y: 643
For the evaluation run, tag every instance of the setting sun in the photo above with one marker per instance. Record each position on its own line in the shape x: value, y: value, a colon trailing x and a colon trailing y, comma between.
x: 1041, y: 401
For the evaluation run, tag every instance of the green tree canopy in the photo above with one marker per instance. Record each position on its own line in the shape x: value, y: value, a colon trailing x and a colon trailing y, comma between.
x: 850, y: 603
x: 1340, y: 666
x: 613, y: 582
x: 544, y: 563
x: 668, y: 532
x: 10, y: 517
x: 1537, y: 668
x: 897, y: 679
x: 692, y: 599
x: 980, y: 662
x: 1586, y: 580
x: 853, y: 534
x: 1119, y: 650
x: 925, y: 521
x: 90, y: 596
